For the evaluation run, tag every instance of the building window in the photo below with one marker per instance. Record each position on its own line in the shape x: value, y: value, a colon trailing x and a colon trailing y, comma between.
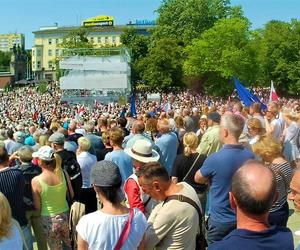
x: 33, y: 64
x: 99, y: 39
x: 38, y: 64
x: 57, y: 52
x: 33, y: 52
x: 38, y: 52
x: 50, y: 64
x: 92, y: 39
x: 57, y: 41
x: 114, y: 40
x: 49, y: 41
x: 49, y: 52
x: 106, y: 39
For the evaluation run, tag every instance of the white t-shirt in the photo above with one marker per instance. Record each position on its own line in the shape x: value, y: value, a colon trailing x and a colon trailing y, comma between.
x: 277, y: 128
x: 102, y: 231
x: 14, y: 241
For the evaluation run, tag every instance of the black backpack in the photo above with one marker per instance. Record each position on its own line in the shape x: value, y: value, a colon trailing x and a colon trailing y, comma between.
x: 72, y: 167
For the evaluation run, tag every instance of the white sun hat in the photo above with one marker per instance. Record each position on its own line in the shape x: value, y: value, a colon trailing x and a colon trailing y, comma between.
x: 142, y: 151
x: 45, y: 153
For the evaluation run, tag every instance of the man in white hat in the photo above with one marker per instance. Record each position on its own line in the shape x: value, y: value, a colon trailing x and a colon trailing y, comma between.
x: 142, y: 152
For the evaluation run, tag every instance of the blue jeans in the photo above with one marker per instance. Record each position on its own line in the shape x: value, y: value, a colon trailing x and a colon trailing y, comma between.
x: 28, y: 236
x: 218, y: 230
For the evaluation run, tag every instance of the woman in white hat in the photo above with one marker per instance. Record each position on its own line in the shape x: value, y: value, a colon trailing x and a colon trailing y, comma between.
x: 141, y: 153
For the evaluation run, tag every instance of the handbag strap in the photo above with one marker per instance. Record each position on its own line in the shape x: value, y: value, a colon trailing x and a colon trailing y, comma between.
x: 191, y: 168
x: 183, y: 198
x: 125, y: 232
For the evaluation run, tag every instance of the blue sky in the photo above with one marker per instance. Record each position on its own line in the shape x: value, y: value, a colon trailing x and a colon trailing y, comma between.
x: 25, y: 16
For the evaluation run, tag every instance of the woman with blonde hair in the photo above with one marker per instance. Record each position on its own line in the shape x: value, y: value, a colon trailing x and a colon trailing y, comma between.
x: 86, y: 161
x: 187, y: 164
x: 49, y: 190
x: 255, y: 130
x: 270, y: 151
x: 10, y: 232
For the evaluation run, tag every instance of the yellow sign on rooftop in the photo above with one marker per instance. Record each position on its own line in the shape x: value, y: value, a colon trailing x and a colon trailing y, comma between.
x: 99, y: 21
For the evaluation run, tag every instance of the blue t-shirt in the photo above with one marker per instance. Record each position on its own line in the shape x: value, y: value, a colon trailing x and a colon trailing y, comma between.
x: 123, y: 161
x: 220, y: 167
x: 167, y: 144
x: 274, y: 238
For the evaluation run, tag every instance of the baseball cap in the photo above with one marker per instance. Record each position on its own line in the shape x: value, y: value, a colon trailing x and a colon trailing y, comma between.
x: 45, y: 153
x: 105, y: 174
x: 57, y: 137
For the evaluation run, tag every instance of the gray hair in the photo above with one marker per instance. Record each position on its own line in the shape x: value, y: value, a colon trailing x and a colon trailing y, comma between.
x: 234, y: 124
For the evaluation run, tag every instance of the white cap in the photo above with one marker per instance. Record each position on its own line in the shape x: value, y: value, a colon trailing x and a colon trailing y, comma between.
x: 45, y: 153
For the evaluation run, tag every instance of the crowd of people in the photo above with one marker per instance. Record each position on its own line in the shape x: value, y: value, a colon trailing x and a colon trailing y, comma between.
x: 183, y: 171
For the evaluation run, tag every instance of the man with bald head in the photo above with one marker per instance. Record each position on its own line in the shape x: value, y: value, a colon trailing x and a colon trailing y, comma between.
x: 253, y: 191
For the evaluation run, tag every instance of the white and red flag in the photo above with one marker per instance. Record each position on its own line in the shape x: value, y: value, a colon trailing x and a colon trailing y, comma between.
x: 273, y: 96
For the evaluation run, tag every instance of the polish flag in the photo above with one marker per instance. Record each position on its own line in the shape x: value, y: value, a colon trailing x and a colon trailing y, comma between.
x: 81, y: 110
x: 273, y: 95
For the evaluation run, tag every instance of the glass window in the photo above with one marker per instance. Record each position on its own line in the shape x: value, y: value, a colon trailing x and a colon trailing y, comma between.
x: 33, y: 52
x: 99, y: 39
x: 38, y: 52
x: 50, y: 52
x: 38, y: 64
x: 106, y: 39
x: 50, y: 64
x: 49, y: 41
x: 57, y: 52
x: 57, y: 41
x: 114, y: 40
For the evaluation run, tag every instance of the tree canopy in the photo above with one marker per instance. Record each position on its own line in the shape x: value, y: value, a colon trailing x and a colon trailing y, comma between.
x: 221, y: 53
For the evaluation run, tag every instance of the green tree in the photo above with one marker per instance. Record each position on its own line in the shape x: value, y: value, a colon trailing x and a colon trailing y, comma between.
x: 138, y: 45
x: 221, y: 53
x: 4, y: 60
x: 76, y: 39
x: 278, y: 55
x: 185, y: 20
x: 161, y: 69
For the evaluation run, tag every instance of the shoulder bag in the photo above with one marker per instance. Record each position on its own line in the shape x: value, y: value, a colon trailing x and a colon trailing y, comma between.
x: 191, y: 168
x: 201, y: 243
x: 77, y: 210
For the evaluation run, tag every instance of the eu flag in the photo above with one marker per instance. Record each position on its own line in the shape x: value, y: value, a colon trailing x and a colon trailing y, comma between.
x: 132, y: 105
x: 245, y: 95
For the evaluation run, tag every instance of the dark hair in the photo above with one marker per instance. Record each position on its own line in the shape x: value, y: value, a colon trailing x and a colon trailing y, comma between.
x: 122, y: 122
x: 10, y: 133
x: 153, y: 170
x: 245, y: 199
x: 111, y: 193
x: 3, y: 154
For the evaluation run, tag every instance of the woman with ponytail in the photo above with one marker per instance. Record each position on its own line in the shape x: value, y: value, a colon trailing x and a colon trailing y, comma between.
x: 49, y: 194
x: 187, y: 164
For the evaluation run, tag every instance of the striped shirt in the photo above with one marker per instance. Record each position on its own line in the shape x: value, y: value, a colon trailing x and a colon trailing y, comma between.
x: 283, y: 174
x: 12, y: 185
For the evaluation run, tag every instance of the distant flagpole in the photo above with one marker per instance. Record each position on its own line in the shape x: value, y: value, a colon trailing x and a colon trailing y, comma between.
x: 273, y: 94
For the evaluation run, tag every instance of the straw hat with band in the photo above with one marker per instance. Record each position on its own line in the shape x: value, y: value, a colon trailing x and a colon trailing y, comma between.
x: 142, y: 151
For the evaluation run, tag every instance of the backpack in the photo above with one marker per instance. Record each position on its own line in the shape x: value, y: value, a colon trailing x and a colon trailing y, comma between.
x: 72, y: 167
